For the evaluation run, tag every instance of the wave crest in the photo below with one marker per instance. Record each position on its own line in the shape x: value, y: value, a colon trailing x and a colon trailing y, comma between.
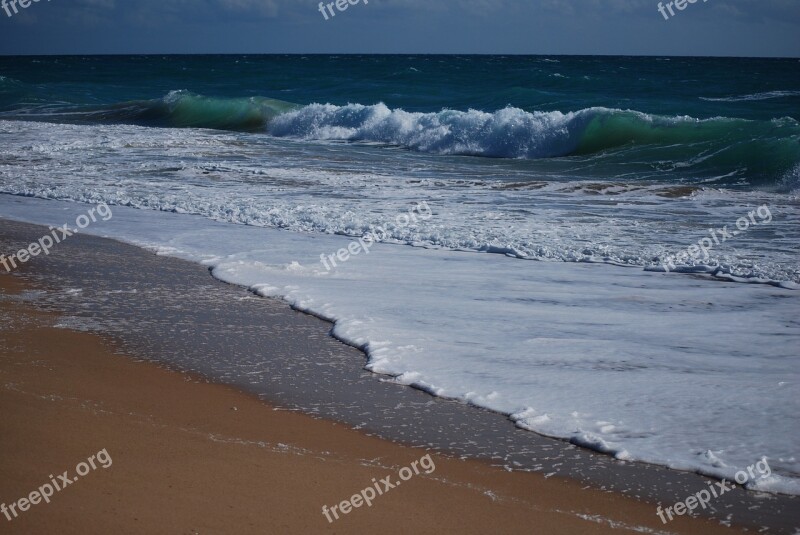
x: 766, y: 150
x: 746, y: 151
x: 507, y: 133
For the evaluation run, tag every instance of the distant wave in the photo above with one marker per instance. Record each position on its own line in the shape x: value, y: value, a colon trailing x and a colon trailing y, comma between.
x: 756, y: 96
x: 177, y: 109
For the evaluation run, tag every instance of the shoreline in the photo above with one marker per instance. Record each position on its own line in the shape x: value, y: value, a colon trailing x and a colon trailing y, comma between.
x: 178, y: 444
x: 97, y: 245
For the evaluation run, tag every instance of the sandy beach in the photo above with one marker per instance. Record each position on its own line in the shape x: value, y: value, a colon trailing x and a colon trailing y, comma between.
x: 190, y: 456
x: 467, y: 266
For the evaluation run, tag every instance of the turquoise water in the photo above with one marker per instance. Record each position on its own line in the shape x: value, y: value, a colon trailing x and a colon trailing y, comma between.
x: 531, y: 168
x: 732, y: 122
x: 601, y: 159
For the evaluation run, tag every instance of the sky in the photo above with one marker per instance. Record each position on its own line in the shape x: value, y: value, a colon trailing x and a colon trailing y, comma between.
x: 619, y: 27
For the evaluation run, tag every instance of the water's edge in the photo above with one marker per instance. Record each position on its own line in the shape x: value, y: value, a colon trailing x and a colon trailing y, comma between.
x: 335, y: 386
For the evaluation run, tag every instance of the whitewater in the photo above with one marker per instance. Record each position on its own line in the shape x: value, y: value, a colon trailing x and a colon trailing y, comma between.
x: 693, y: 374
x: 537, y: 299
x: 558, y: 188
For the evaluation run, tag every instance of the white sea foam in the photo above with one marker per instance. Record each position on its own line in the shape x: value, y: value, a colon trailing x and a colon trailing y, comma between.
x: 671, y: 369
x: 692, y: 374
x: 527, y: 209
x: 510, y: 133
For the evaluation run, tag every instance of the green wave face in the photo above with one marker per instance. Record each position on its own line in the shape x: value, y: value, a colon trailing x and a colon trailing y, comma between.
x: 178, y: 109
x: 768, y: 149
x: 186, y: 110
x: 606, y: 142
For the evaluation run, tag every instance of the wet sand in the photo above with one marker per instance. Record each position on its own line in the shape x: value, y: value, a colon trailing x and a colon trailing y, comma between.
x: 191, y: 456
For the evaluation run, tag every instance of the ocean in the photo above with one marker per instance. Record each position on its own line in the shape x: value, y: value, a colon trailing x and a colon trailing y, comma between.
x: 608, y: 251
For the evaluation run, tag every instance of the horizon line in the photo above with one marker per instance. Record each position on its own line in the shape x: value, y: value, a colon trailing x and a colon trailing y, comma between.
x: 131, y: 54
